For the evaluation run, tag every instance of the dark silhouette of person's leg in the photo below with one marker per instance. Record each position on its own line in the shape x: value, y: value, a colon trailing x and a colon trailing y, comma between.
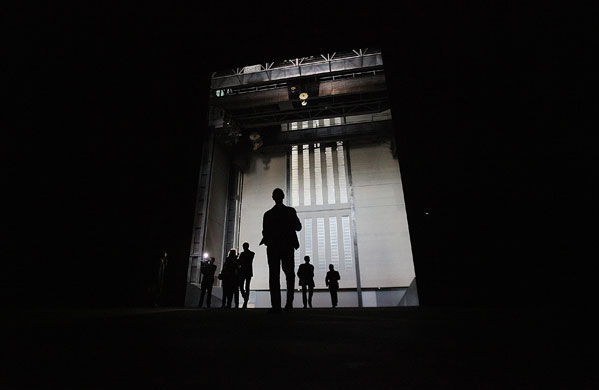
x: 226, y: 299
x: 311, y: 292
x: 241, y: 287
x: 304, y: 296
x: 209, y: 295
x: 236, y: 294
x: 274, y: 273
x: 246, y: 292
x: 202, y: 292
x: 288, y: 264
x: 334, y: 297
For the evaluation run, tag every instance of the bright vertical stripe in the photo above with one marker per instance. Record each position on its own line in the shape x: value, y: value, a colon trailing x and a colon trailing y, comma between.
x: 308, y: 237
x: 306, y: 171
x: 328, y: 152
x: 334, y: 241
x: 294, y: 176
x: 296, y: 253
x: 322, y: 262
x: 341, y: 173
x: 347, y: 244
x: 317, y: 175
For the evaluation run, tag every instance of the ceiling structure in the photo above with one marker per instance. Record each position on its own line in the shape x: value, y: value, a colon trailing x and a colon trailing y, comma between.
x: 261, y: 98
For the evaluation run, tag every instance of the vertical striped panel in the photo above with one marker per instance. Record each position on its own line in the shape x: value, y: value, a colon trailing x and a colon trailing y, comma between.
x: 308, y: 237
x: 341, y: 173
x: 317, y: 175
x: 334, y: 241
x: 294, y: 176
x: 328, y: 154
x: 297, y: 253
x: 347, y: 243
x: 306, y: 171
x: 321, y: 243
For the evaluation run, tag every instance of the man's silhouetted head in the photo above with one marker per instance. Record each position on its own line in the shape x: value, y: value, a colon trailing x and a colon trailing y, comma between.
x: 307, y: 259
x: 331, y: 267
x: 246, y: 246
x: 212, y: 260
x: 278, y: 195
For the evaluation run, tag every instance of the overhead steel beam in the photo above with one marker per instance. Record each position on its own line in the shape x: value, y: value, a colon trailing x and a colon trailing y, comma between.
x: 330, y: 133
x: 332, y: 109
x: 297, y: 68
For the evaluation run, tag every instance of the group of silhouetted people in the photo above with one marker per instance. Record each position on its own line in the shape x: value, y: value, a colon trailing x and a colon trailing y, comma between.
x: 236, y: 276
x: 279, y: 227
x: 305, y: 273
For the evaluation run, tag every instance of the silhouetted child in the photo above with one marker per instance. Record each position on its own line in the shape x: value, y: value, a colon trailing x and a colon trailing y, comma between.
x: 332, y: 281
x: 305, y: 273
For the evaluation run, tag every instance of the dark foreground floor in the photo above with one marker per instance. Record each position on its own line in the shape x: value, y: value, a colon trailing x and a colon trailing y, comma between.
x: 321, y: 348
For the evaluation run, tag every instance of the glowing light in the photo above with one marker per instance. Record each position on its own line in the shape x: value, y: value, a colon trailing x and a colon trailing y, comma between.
x: 205, y: 255
x: 304, y: 102
x: 303, y: 95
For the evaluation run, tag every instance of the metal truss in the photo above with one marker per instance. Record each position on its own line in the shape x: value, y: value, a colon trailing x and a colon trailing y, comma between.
x: 324, y: 134
x: 297, y: 67
x: 327, y: 107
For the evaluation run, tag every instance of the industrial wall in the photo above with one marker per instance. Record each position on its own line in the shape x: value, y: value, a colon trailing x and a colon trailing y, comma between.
x: 383, y: 243
x: 217, y: 206
x: 384, y: 250
x: 264, y: 173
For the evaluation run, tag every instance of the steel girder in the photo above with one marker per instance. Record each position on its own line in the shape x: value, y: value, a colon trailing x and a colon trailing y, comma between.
x: 298, y: 67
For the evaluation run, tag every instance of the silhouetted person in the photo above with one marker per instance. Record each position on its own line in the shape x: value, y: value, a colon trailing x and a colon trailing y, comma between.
x: 229, y: 278
x: 332, y: 281
x: 159, y: 273
x: 207, y: 269
x: 305, y: 273
x: 279, y: 228
x: 246, y: 258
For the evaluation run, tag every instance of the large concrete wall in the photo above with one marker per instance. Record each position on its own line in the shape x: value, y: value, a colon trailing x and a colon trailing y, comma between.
x: 385, y: 253
x: 384, y: 249
x: 264, y: 174
x: 215, y: 222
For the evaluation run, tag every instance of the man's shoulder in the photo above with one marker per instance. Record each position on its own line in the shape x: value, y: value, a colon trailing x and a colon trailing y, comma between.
x: 281, y: 208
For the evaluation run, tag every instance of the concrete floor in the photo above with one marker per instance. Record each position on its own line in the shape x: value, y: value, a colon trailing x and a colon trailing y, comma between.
x: 390, y: 348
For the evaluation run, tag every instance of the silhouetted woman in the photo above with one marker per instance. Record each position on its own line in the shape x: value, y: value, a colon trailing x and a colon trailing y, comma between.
x: 229, y: 278
x: 332, y: 281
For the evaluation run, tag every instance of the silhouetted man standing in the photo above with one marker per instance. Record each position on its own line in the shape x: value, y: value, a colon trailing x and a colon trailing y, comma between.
x: 332, y: 281
x: 305, y: 273
x: 246, y: 259
x: 279, y: 228
x: 207, y: 269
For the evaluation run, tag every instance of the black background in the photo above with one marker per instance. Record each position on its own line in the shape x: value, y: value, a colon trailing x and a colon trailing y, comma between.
x: 492, y: 110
